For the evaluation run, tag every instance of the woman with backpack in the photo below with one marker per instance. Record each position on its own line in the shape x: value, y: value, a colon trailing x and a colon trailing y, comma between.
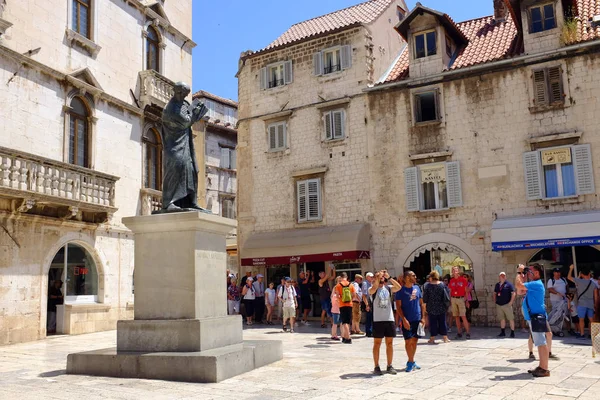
x: 437, y: 299
x: 346, y: 292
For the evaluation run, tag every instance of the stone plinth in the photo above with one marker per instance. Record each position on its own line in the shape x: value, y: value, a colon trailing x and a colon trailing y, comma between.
x: 181, y: 330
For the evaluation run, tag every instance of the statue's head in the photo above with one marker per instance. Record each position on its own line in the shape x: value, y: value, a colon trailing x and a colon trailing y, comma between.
x: 181, y: 90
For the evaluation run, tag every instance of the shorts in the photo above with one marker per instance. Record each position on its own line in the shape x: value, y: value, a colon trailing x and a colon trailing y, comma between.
x: 336, y: 318
x: 459, y: 309
x: 346, y: 315
x: 306, y: 303
x: 505, y: 312
x: 383, y: 329
x: 539, y: 338
x: 289, y: 312
x: 412, y: 332
x: 583, y: 312
x: 326, y: 306
x: 356, y: 312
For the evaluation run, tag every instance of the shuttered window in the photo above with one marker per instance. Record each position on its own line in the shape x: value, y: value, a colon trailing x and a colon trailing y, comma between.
x: 334, y: 124
x: 228, y: 207
x: 332, y: 60
x: 309, y: 200
x: 559, y: 172
x: 277, y: 136
x: 228, y: 158
x: 278, y: 74
x: 433, y: 186
x: 548, y: 87
x: 427, y: 107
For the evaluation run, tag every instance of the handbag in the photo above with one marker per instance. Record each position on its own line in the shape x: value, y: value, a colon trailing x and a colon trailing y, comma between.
x: 474, y: 304
x: 538, y: 321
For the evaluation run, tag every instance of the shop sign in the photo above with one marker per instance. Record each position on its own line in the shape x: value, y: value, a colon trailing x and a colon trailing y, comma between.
x: 537, y: 244
x: 556, y: 156
x: 297, y: 259
x: 433, y: 173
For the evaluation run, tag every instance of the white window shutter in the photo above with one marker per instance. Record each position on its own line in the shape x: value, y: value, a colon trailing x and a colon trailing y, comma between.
x: 584, y: 172
x: 346, y: 57
x: 314, y: 199
x: 411, y: 179
x: 233, y: 159
x: 272, y: 137
x: 328, y: 130
x: 264, y: 79
x: 224, y: 158
x: 533, y: 175
x: 288, y: 75
x: 318, y: 63
x: 302, y: 200
x: 338, y: 124
x: 281, y: 136
x: 454, y: 186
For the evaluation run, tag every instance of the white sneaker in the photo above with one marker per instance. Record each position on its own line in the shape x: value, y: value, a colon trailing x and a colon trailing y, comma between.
x: 306, y: 323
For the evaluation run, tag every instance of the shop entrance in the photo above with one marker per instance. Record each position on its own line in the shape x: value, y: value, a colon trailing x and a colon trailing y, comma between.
x: 585, y: 258
x: 275, y: 273
x: 442, y: 260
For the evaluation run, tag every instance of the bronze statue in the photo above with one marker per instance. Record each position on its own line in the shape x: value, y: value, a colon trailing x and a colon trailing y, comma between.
x: 180, y: 169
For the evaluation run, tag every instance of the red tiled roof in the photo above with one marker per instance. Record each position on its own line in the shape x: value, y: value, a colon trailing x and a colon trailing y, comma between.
x: 223, y: 100
x: 363, y: 13
x: 490, y: 41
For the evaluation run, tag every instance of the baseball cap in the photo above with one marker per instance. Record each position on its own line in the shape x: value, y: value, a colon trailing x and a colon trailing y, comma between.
x: 502, y: 273
x: 249, y: 279
x: 369, y: 274
x: 259, y: 276
x: 557, y: 269
x: 287, y: 279
x: 358, y: 276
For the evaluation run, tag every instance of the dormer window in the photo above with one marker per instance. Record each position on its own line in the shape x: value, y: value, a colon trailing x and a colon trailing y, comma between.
x: 448, y: 46
x: 543, y: 18
x: 425, y: 44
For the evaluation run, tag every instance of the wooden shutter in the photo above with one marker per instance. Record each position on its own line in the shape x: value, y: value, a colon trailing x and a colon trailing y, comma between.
x: 533, y: 175
x: 272, y: 137
x: 584, y: 172
x: 436, y: 94
x: 302, y: 188
x: 328, y: 130
x: 264, y: 79
x: 411, y: 179
x: 224, y: 158
x: 233, y: 159
x: 539, y: 87
x: 338, y: 124
x: 281, y: 136
x: 418, y: 114
x: 555, y: 90
x: 318, y: 63
x: 288, y: 75
x: 346, y: 57
x: 454, y: 186
x: 314, y: 199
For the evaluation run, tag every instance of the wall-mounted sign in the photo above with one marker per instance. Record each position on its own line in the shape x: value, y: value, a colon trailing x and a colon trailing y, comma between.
x: 433, y: 173
x: 337, y: 256
x: 556, y: 156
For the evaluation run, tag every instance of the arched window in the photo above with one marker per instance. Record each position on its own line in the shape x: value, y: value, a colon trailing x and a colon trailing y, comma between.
x: 152, y: 49
x: 79, y: 142
x: 152, y: 160
x: 75, y: 267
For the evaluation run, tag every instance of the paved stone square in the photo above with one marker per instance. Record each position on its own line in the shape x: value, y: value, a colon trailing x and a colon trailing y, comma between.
x: 316, y: 368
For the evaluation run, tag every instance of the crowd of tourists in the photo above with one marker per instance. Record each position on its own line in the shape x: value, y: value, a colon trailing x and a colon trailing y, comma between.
x: 401, y: 307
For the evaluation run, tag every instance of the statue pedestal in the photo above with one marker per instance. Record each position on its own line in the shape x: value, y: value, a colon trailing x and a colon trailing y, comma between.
x: 181, y: 329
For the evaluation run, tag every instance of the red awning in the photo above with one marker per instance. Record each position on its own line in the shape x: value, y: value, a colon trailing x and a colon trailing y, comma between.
x: 340, y: 256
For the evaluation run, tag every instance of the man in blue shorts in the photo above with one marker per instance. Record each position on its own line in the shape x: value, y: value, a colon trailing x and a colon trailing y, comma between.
x: 534, y: 303
x: 411, y: 311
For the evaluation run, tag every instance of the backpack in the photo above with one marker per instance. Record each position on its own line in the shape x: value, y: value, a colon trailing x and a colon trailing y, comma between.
x: 346, y: 294
x: 562, y: 279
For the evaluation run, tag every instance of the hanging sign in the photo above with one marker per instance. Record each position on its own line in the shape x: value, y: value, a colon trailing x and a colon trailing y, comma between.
x: 556, y: 156
x: 433, y: 173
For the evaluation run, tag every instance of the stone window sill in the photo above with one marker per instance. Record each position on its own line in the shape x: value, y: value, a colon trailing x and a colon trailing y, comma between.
x: 559, y: 201
x: 4, y: 25
x: 545, y: 108
x: 428, y: 123
x: 81, y: 41
x: 433, y: 213
x: 87, y: 307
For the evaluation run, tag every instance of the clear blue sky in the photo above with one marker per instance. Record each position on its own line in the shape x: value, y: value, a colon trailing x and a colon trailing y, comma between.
x: 225, y: 28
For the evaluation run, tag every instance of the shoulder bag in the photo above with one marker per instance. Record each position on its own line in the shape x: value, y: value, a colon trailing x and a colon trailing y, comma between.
x: 538, y: 321
x: 474, y: 304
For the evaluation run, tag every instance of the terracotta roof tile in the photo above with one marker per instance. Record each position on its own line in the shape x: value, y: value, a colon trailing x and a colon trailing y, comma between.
x: 223, y: 100
x: 363, y: 13
x: 489, y: 41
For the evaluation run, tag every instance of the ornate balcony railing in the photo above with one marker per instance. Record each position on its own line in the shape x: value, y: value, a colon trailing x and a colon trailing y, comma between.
x: 151, y: 200
x: 154, y: 89
x: 38, y: 180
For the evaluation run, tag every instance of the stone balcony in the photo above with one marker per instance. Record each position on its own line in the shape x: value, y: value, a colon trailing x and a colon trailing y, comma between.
x: 30, y: 184
x: 154, y: 89
x: 151, y: 200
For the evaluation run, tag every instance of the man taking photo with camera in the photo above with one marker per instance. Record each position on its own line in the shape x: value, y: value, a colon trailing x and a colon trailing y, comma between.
x: 534, y: 311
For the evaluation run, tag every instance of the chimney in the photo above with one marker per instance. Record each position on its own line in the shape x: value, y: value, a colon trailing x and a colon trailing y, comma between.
x: 500, y: 10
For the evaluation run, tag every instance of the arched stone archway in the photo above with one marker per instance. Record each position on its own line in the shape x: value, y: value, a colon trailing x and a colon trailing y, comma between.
x: 443, y: 239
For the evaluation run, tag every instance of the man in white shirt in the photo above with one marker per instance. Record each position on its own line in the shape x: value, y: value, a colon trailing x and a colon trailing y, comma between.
x: 287, y: 296
x: 557, y: 287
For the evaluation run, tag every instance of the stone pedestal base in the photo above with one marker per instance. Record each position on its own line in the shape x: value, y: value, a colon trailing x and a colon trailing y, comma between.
x: 209, y: 366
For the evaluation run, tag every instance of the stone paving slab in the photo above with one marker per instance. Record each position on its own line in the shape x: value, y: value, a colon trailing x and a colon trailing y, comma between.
x: 316, y: 368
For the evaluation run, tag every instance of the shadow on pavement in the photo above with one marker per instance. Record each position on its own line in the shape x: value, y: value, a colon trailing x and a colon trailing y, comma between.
x: 521, y: 361
x: 52, y: 374
x: 524, y: 376
x: 357, y: 376
x: 317, y: 346
x: 500, y: 369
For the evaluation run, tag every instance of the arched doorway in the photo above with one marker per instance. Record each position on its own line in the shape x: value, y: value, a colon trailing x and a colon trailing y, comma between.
x: 440, y: 257
x: 72, y: 278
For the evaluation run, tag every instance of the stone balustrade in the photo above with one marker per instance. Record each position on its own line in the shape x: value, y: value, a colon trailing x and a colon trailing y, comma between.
x: 154, y: 89
x: 38, y: 179
x: 151, y: 200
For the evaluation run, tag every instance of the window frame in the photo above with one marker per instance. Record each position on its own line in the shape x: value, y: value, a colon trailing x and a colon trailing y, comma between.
x: 331, y: 114
x: 543, y: 15
x: 279, y: 147
x: 424, y: 34
x: 549, y: 99
x: 157, y: 45
x: 78, y: 299
x: 337, y: 53
x: 73, y: 118
x: 436, y: 189
x: 319, y: 194
x: 222, y: 200
x: 146, y: 143
x: 77, y: 4
x: 278, y: 82
x: 417, y: 112
x: 231, y: 155
x: 559, y: 181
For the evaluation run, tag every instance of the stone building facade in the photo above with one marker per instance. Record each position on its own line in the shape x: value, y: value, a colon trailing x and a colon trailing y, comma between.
x: 479, y: 148
x: 79, y: 150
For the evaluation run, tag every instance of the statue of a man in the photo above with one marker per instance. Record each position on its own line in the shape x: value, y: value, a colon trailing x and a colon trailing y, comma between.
x: 180, y: 169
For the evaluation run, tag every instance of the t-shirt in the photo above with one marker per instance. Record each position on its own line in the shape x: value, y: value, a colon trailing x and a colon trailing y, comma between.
x: 504, y: 292
x: 411, y: 305
x: 382, y: 305
x: 270, y: 296
x: 434, y: 296
x: 560, y: 285
x: 259, y: 288
x: 325, y: 291
x: 338, y: 290
x: 587, y: 300
x: 250, y: 293
x: 304, y: 289
x: 534, y: 299
x: 335, y: 302
x: 366, y: 285
x: 287, y: 294
x: 358, y: 291
x: 458, y: 287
